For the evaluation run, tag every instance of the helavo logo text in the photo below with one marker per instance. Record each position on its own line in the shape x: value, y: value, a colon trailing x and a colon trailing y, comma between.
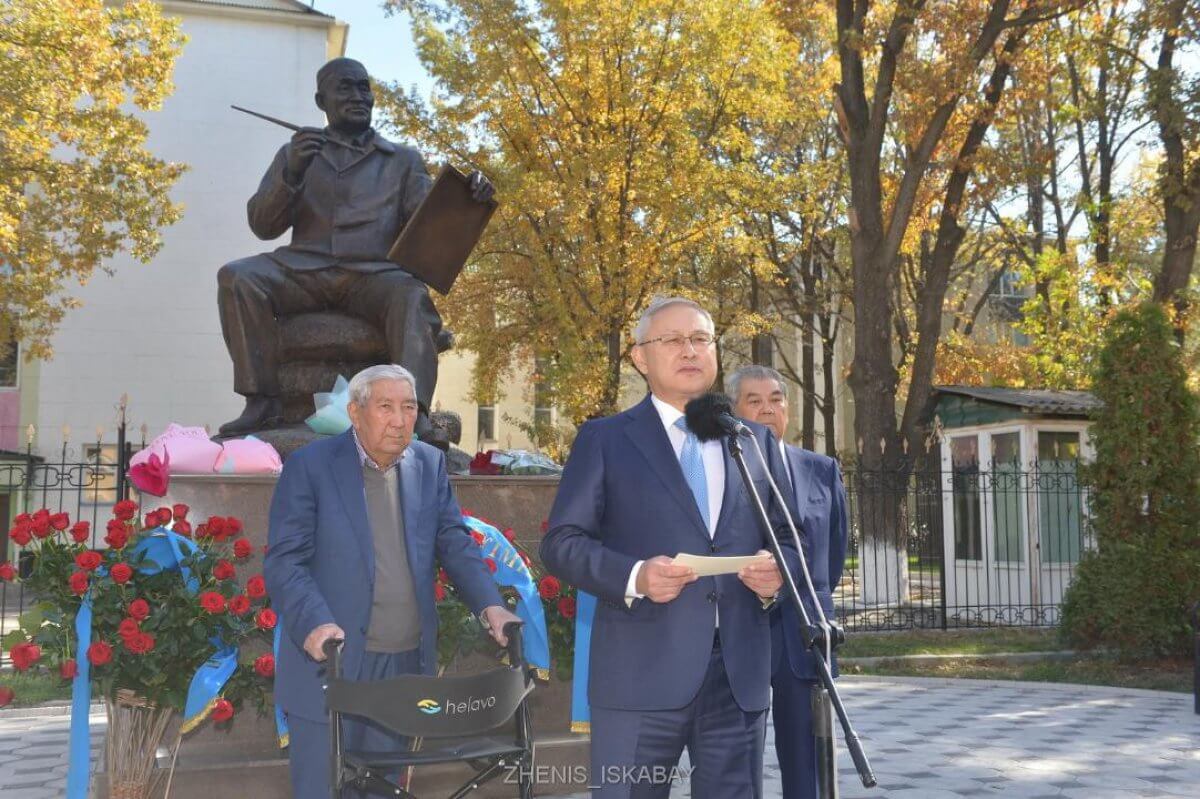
x: 470, y: 705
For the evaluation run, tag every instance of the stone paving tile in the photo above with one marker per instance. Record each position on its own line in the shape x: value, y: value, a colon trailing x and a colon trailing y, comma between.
x: 927, y: 739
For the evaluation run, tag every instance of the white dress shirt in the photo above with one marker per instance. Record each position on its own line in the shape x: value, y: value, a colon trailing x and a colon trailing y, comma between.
x: 714, y: 475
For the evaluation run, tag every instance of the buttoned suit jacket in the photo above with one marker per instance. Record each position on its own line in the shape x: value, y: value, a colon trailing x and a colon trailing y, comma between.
x: 820, y: 516
x: 623, y: 498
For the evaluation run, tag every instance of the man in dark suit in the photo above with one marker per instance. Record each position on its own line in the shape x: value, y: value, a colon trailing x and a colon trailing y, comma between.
x: 346, y: 193
x: 359, y: 524
x: 820, y: 501
x: 677, y: 660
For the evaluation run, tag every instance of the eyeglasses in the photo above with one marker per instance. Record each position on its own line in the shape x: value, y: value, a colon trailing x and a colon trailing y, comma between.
x: 700, y: 341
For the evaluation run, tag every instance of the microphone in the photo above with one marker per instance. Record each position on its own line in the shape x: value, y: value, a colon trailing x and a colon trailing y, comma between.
x: 710, y: 416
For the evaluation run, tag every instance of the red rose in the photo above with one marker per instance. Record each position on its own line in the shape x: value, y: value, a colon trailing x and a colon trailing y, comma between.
x: 151, y: 520
x: 24, y: 655
x: 256, y: 587
x: 266, y: 619
x: 491, y: 564
x: 68, y: 669
x: 215, y: 526
x: 224, y: 570
x: 182, y: 527
x: 60, y: 521
x: 139, y: 609
x: 242, y: 549
x: 6, y: 696
x: 89, y: 560
x: 20, y: 535
x: 239, y: 605
x: 265, y: 666
x: 164, y: 516
x: 128, y: 628
x: 212, y: 602
x: 222, y: 711
x: 233, y: 526
x: 478, y: 536
x: 80, y: 532
x: 7, y: 572
x: 566, y: 607
x: 439, y: 592
x: 120, y: 573
x: 510, y: 535
x: 140, y: 643
x: 79, y: 583
x: 117, y: 536
x: 41, y: 527
x: 22, y: 518
x: 153, y: 476
x: 125, y: 510
x: 99, y: 653
x: 179, y: 511
x: 549, y: 587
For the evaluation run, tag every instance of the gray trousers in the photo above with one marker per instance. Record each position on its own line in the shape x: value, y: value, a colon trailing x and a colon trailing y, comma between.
x: 252, y: 292
x: 309, y: 748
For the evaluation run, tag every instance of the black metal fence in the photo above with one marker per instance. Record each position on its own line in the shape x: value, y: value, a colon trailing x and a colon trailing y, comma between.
x: 928, y: 549
x: 86, y: 488
x: 962, y: 547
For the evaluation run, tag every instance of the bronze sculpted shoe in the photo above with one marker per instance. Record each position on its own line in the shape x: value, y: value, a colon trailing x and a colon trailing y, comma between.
x: 261, y: 413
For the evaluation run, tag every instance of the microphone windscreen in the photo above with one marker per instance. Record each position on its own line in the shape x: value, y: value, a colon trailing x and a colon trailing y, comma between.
x: 704, y: 414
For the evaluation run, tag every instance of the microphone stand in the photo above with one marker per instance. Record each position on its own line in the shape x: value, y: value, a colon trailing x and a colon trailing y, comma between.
x: 818, y: 639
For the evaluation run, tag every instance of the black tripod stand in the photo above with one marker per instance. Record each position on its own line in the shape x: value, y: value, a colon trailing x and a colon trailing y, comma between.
x: 819, y: 638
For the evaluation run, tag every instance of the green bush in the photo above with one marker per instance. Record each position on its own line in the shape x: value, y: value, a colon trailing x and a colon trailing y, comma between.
x: 1133, y: 593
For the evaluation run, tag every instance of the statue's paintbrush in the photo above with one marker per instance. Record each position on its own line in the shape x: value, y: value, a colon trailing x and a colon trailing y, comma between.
x: 290, y: 126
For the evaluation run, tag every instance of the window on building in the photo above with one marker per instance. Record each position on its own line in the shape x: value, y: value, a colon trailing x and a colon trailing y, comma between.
x: 8, y: 365
x: 98, y: 474
x: 1008, y: 518
x: 968, y: 526
x: 1060, y: 500
x: 543, y: 413
x: 486, y: 424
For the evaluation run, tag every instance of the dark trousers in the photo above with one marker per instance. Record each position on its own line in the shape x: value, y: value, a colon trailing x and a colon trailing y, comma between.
x: 791, y: 716
x: 634, y: 751
x: 309, y: 747
x: 252, y: 292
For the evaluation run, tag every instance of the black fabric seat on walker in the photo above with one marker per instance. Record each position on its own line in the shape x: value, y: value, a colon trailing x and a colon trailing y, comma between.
x: 460, y: 718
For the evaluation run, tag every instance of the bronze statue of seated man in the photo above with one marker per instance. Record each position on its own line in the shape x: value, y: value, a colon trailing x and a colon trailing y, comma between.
x: 346, y: 193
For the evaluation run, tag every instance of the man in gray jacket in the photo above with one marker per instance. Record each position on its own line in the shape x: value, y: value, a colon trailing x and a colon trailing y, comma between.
x: 346, y: 193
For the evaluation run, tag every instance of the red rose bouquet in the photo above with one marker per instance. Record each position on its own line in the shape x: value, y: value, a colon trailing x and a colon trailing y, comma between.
x: 152, y: 627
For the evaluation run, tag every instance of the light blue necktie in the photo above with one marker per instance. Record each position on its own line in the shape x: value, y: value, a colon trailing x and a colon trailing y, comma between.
x: 692, y: 463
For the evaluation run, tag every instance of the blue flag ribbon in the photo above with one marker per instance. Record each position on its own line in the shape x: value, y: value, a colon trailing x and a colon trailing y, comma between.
x: 511, y: 571
x: 585, y: 612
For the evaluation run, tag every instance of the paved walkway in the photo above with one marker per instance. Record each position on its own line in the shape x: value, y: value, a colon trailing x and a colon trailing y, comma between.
x: 927, y: 739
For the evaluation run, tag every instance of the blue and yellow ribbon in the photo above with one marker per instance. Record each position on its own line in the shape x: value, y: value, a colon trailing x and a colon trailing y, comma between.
x: 511, y: 571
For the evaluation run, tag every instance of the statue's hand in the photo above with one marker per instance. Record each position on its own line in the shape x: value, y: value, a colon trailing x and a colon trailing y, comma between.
x: 482, y: 189
x: 306, y: 143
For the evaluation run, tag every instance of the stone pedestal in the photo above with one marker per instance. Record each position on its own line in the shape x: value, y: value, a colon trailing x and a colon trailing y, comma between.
x: 246, y: 761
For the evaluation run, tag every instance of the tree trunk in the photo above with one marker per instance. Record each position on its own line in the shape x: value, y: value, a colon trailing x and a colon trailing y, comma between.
x: 1180, y: 181
x: 808, y: 365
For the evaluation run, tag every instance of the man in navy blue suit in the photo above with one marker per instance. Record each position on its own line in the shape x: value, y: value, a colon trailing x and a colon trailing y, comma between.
x: 359, y: 523
x: 677, y: 660
x: 820, y: 501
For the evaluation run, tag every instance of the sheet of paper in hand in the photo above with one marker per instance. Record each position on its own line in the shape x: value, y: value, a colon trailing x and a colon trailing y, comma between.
x: 446, y: 226
x: 706, y: 566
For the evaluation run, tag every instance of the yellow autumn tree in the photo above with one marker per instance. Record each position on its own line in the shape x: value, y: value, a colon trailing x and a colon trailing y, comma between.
x: 620, y: 135
x: 76, y: 182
